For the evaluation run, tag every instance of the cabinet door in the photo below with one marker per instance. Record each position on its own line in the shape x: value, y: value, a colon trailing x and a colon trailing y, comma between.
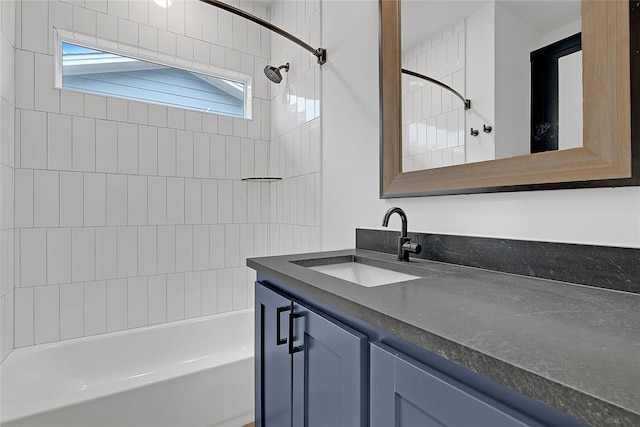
x: 406, y: 393
x: 273, y: 362
x: 330, y: 372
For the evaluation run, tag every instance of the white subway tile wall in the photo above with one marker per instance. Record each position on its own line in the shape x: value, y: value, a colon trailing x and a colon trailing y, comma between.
x: 9, y: 94
x: 294, y: 147
x: 129, y: 214
x: 433, y: 119
x: 9, y: 60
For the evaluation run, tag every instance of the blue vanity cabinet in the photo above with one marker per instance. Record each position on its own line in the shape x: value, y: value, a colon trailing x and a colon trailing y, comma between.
x: 317, y: 366
x: 273, y: 362
x: 311, y: 370
x: 407, y: 393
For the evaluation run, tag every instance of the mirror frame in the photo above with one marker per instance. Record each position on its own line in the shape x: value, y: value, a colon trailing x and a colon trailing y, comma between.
x: 604, y: 160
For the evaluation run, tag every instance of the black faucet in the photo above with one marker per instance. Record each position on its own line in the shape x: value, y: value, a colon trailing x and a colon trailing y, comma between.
x: 404, y: 243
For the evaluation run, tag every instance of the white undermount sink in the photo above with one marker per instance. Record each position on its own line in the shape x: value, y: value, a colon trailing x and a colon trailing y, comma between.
x: 363, y: 274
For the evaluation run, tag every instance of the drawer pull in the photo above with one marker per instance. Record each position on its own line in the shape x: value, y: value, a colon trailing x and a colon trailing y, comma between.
x: 292, y: 316
x: 279, y: 311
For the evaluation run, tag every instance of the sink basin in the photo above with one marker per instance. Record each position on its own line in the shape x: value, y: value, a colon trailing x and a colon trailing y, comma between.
x: 363, y: 274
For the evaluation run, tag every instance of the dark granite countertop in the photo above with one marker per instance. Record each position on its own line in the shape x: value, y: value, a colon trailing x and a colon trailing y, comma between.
x: 572, y: 347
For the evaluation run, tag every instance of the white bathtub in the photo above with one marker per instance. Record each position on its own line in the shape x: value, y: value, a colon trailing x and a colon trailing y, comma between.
x: 195, y: 372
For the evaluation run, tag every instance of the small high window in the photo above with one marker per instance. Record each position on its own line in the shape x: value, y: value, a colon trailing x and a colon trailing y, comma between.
x: 96, y: 71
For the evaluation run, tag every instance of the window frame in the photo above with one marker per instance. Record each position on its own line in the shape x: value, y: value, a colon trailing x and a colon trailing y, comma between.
x: 154, y: 57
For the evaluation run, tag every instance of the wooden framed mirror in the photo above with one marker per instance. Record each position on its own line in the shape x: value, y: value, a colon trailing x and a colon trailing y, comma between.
x: 610, y: 42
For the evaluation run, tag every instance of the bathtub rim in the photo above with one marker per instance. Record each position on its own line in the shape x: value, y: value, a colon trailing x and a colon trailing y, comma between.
x: 125, y: 332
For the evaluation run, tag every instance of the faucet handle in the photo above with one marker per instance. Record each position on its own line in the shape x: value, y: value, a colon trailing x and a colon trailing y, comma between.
x: 414, y: 248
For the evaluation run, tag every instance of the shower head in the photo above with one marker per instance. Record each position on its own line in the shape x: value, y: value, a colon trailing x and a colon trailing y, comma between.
x: 274, y: 74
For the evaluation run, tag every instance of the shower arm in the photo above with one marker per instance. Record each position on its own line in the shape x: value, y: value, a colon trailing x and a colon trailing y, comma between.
x: 467, y: 102
x: 319, y: 53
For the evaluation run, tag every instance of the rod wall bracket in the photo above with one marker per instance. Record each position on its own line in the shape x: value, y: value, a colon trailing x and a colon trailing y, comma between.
x: 321, y: 54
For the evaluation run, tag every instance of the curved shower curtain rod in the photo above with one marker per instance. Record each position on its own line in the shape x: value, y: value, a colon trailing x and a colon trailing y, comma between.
x: 319, y: 53
x: 467, y: 102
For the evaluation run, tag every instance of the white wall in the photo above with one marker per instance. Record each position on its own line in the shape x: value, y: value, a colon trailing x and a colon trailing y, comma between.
x: 7, y: 115
x: 570, y: 101
x: 350, y: 145
x: 513, y: 84
x: 481, y: 81
x: 130, y: 214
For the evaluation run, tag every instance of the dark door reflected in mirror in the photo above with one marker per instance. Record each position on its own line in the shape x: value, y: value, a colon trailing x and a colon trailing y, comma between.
x: 556, y: 88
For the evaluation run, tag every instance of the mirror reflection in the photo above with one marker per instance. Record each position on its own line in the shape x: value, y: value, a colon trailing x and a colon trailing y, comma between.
x: 518, y: 62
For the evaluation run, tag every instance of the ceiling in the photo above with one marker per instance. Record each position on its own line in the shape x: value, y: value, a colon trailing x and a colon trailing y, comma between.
x: 544, y: 15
